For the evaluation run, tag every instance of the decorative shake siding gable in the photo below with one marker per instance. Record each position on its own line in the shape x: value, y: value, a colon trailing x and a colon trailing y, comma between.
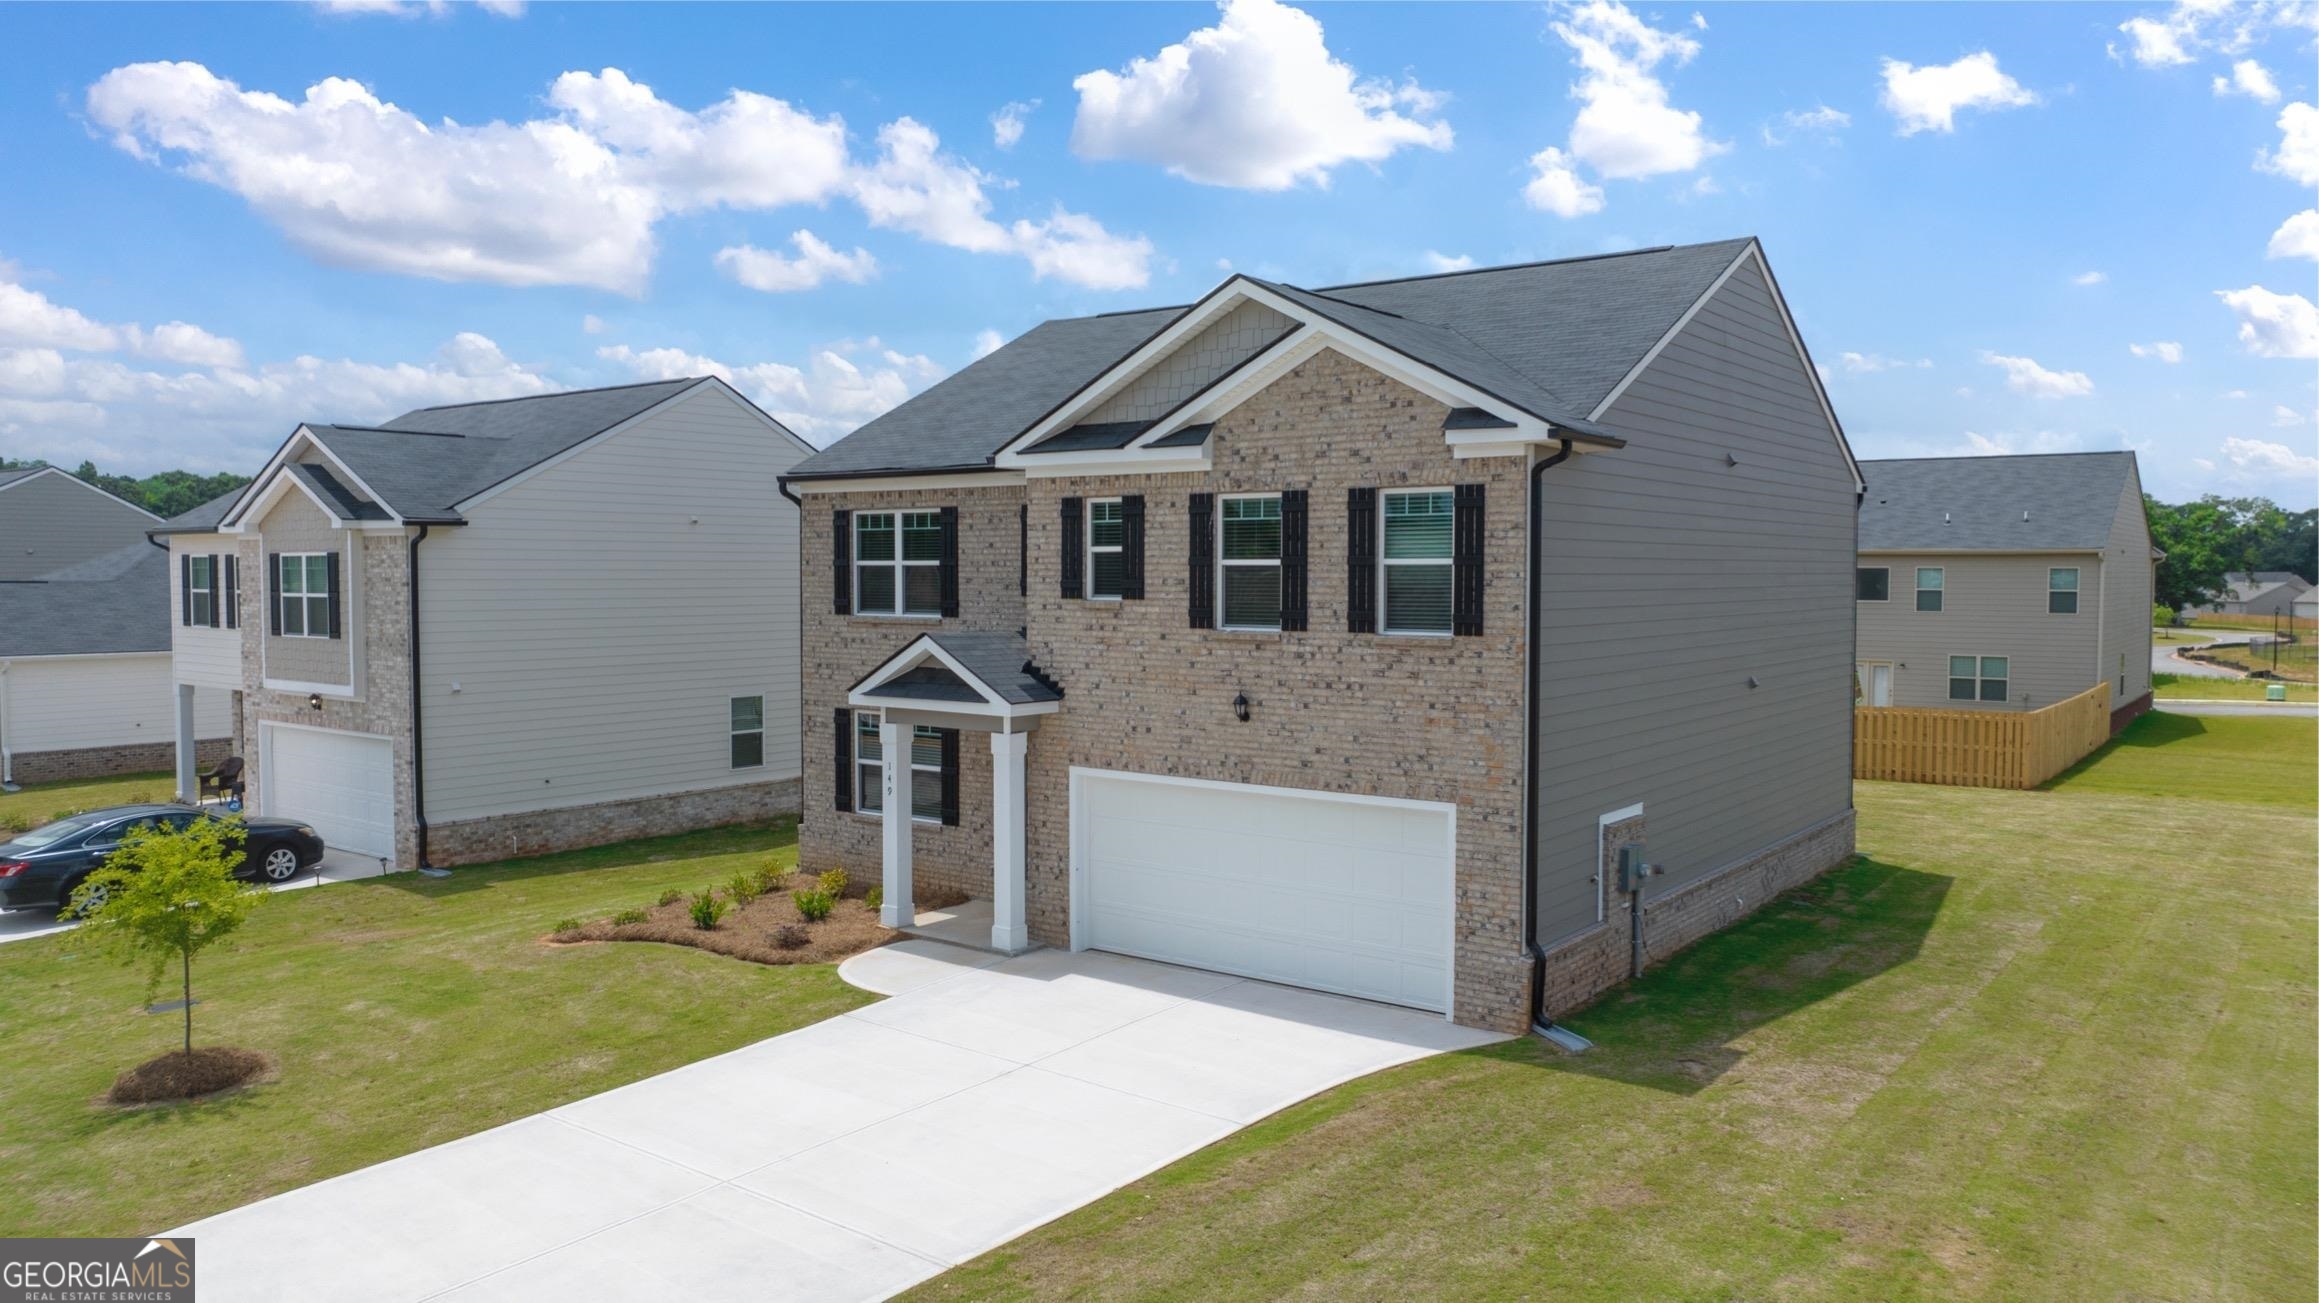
x: 1193, y: 365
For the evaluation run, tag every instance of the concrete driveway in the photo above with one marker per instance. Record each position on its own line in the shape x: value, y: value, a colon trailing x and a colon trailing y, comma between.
x: 337, y: 866
x: 846, y: 1160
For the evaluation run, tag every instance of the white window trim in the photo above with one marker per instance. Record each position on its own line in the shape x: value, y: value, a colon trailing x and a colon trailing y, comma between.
x: 877, y: 721
x: 731, y: 732
x: 1942, y: 588
x: 1978, y: 679
x: 1449, y: 563
x: 898, y: 565
x: 285, y: 596
x: 204, y: 591
x: 1091, y: 550
x: 1887, y: 584
x: 1222, y: 563
x: 2077, y: 602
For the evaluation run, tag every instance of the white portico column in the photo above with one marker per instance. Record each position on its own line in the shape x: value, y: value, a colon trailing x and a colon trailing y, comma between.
x: 188, y: 768
x: 898, y: 910
x: 1007, y: 932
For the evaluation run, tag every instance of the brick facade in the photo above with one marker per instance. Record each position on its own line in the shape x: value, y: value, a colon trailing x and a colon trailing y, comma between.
x: 541, y: 832
x: 105, y: 762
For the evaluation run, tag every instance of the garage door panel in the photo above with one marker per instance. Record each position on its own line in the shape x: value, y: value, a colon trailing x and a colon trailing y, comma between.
x: 341, y: 783
x: 1309, y: 889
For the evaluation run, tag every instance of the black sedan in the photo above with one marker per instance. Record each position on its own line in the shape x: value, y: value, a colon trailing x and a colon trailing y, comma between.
x: 42, y: 868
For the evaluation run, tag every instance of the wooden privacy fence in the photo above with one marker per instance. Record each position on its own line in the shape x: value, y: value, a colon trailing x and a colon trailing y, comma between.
x: 1978, y: 748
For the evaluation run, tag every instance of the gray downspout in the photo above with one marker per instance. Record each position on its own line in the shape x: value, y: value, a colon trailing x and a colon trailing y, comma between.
x: 418, y: 715
x: 1539, y: 1022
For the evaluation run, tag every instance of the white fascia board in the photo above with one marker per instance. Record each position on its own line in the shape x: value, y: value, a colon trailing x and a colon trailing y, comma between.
x: 1119, y: 461
x: 921, y: 650
x: 599, y: 436
x: 276, y: 473
x: 908, y: 483
x: 75, y: 479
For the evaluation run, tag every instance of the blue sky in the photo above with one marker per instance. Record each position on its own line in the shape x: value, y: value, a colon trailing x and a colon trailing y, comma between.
x: 2001, y: 227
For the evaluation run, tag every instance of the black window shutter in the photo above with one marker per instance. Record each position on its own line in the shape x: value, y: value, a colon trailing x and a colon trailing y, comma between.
x: 185, y: 589
x: 841, y: 555
x: 1466, y: 561
x: 1361, y: 560
x: 233, y: 592
x: 274, y: 593
x: 337, y: 598
x: 845, y: 759
x: 949, y: 563
x: 1202, y: 554
x: 1292, y: 561
x: 216, y: 592
x: 1074, y: 550
x: 1131, y: 548
x: 1023, y: 549
x: 950, y: 777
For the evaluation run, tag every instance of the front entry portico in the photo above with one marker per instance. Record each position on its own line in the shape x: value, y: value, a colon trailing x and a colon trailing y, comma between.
x: 975, y: 683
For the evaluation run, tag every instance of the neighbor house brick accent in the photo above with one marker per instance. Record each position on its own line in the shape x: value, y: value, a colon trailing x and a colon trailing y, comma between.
x: 541, y: 832
x: 105, y: 762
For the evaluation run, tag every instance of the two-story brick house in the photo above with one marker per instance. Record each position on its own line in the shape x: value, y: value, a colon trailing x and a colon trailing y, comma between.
x: 1341, y: 637
x: 507, y: 627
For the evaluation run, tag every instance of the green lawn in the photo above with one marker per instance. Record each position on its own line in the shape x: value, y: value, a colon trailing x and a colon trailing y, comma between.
x: 2187, y: 687
x: 41, y: 802
x: 2054, y: 1044
x: 405, y: 1011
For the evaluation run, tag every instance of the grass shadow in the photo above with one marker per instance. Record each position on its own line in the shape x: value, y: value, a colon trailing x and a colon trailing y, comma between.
x: 732, y: 839
x: 1674, y: 1028
x: 2156, y: 728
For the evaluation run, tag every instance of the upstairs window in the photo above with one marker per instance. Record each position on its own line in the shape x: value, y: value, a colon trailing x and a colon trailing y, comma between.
x: 1106, y: 548
x: 304, y: 579
x: 201, y: 590
x: 748, y: 732
x: 1979, y: 678
x: 898, y: 562
x: 1872, y: 584
x: 1250, y: 560
x: 1418, y: 555
x: 1928, y: 588
x: 2061, y: 590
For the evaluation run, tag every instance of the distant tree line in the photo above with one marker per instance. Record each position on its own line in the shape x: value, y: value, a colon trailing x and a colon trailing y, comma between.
x: 165, y: 494
x: 2214, y: 536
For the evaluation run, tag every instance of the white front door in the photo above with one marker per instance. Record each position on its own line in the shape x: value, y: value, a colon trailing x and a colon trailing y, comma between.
x: 342, y: 783
x: 1346, y: 894
x: 1875, y: 683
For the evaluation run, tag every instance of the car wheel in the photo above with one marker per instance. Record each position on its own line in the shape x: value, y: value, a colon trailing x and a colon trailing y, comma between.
x: 280, y: 865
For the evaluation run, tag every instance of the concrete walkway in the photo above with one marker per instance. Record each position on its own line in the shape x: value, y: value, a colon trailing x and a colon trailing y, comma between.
x: 2177, y: 706
x: 846, y: 1160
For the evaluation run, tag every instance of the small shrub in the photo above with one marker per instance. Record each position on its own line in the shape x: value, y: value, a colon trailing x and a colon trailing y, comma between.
x: 874, y: 897
x: 742, y: 887
x: 813, y: 904
x: 832, y: 881
x: 770, y: 875
x: 789, y: 936
x: 564, y: 925
x: 707, y: 910
x: 628, y: 916
x: 671, y: 896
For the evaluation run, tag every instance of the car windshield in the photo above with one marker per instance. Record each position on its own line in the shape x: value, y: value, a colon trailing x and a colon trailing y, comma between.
x: 54, y: 834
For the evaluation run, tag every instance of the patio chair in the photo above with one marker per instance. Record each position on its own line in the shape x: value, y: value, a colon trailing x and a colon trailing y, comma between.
x: 224, y: 780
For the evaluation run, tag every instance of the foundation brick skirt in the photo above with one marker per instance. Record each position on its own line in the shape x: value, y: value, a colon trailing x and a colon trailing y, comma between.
x: 2130, y: 712
x: 1582, y: 968
x: 541, y: 832
x: 105, y: 762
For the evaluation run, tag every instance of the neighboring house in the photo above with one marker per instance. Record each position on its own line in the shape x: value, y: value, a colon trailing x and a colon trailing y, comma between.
x: 2260, y: 594
x: 2005, y: 583
x: 603, y: 644
x: 1232, y: 635
x: 2306, y: 606
x: 50, y: 520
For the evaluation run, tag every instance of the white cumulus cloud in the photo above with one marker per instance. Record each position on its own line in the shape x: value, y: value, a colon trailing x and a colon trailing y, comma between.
x: 831, y: 395
x: 815, y: 262
x: 1556, y: 187
x: 987, y: 342
x: 1255, y: 102
x: 2297, y: 157
x: 1437, y: 261
x: 2164, y: 350
x: 2261, y: 458
x: 2250, y: 79
x: 1821, y: 121
x: 1006, y: 125
x: 2191, y: 29
x: 2284, y: 416
x: 2297, y: 237
x: 2274, y: 325
x: 1928, y: 98
x: 1870, y: 363
x: 2023, y: 375
x: 27, y: 317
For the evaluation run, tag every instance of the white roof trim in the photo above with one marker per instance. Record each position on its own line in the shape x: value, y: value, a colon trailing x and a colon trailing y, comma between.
x: 261, y: 494
x: 909, y: 483
x: 75, y: 479
x: 921, y: 650
x: 1126, y: 370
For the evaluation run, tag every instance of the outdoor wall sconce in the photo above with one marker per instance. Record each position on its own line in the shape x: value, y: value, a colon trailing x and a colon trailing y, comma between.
x: 1240, y: 707
x: 314, y: 700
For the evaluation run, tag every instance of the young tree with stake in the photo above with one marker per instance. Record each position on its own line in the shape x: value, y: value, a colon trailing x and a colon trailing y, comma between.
x: 166, y: 895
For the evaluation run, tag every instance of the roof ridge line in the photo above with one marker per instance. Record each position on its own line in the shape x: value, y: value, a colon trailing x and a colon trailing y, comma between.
x: 560, y: 393
x: 1521, y: 266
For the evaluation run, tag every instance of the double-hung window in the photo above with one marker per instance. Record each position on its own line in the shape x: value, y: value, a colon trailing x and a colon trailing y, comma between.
x: 305, y: 588
x: 1978, y: 678
x: 1250, y: 561
x: 1928, y: 587
x: 925, y: 761
x: 898, y: 562
x: 2061, y: 590
x: 748, y: 730
x: 1872, y: 584
x: 1106, y: 548
x: 1417, y: 557
x: 201, y: 589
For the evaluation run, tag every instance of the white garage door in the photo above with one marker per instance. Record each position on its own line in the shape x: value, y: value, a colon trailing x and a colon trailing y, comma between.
x: 342, y: 783
x: 1304, y: 888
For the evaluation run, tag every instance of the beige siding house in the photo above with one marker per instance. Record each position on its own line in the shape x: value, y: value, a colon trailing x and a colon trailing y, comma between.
x: 512, y: 627
x: 2004, y: 583
x: 1341, y: 638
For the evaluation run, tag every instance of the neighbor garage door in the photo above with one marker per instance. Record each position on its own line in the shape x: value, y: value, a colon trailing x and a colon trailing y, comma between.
x: 1305, y: 888
x: 342, y: 783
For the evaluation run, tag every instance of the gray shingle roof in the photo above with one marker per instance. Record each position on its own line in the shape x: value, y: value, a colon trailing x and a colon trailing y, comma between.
x: 117, y: 602
x: 1552, y: 338
x: 200, y: 520
x: 2030, y: 503
x: 10, y: 477
x: 1000, y: 660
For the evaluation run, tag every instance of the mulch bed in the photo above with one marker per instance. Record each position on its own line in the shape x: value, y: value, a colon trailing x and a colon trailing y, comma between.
x: 755, y: 932
x: 182, y: 1075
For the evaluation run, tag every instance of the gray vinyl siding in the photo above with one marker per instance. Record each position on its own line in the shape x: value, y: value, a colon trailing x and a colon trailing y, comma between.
x: 1993, y: 605
x: 599, y: 616
x: 295, y: 524
x: 2128, y: 590
x: 200, y: 655
x: 48, y: 522
x: 1671, y: 577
